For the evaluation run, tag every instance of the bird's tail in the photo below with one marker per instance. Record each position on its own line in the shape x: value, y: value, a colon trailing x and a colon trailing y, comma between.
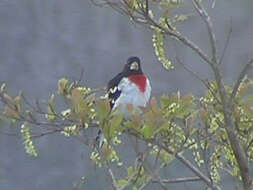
x: 100, y: 140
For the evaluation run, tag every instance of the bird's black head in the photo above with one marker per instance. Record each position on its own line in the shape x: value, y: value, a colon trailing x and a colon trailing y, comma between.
x: 133, y: 66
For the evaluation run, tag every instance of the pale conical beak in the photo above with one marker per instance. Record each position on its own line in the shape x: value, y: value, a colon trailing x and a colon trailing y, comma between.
x: 134, y: 66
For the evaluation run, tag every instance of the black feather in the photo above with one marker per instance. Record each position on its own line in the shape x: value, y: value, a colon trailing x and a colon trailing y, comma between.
x: 113, y: 91
x: 113, y: 83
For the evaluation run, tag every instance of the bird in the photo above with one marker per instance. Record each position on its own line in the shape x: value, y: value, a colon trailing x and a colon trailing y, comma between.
x: 130, y: 87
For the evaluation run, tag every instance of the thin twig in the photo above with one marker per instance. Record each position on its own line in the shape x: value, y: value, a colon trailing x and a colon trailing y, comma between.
x: 178, y: 180
x: 153, y: 171
x: 240, y: 79
x: 114, y: 182
x: 148, y: 20
x: 199, y: 78
x: 226, y: 43
x: 183, y: 160
x: 147, y: 7
x: 249, y: 145
x: 182, y: 39
x: 100, y: 4
x: 9, y: 134
x: 46, y: 133
x: 206, y: 18
x: 80, y: 77
x: 189, y: 165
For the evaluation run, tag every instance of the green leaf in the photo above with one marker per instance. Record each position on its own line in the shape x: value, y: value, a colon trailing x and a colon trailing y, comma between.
x: 63, y: 85
x: 111, y: 128
x: 103, y: 109
x: 248, y: 100
x: 165, y: 101
x: 51, y: 115
x: 161, y: 128
x: 115, y: 122
x: 154, y: 107
x: 147, y: 131
x: 11, y: 113
x: 132, y: 5
x: 130, y: 171
x: 121, y: 183
x: 244, y: 88
x: 76, y: 96
x: 3, y: 87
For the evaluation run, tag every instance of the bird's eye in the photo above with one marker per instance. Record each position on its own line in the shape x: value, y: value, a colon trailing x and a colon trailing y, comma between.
x: 134, y: 66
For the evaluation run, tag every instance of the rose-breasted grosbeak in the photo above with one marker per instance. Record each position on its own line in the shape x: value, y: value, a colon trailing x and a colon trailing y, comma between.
x: 130, y: 87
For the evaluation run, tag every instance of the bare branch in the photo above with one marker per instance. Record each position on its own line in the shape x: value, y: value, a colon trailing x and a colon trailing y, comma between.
x: 227, y: 104
x: 213, y: 4
x: 80, y: 77
x: 193, y: 73
x: 189, y: 165
x: 100, y: 4
x: 143, y: 18
x: 249, y: 145
x: 240, y: 79
x: 240, y: 154
x: 9, y: 134
x: 154, y: 174
x: 182, y: 39
x: 147, y: 7
x: 147, y: 166
x: 116, y: 5
x: 46, y: 133
x: 186, y: 162
x: 114, y: 182
x: 204, y: 15
x: 226, y: 43
x: 178, y: 180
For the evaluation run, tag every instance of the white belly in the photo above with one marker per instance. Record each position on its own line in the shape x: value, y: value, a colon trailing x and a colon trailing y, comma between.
x: 131, y: 95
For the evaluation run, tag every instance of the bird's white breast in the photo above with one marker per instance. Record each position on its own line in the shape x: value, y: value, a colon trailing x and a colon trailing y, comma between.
x: 131, y: 94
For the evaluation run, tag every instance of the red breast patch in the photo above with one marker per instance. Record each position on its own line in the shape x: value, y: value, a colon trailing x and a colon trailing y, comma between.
x: 140, y: 81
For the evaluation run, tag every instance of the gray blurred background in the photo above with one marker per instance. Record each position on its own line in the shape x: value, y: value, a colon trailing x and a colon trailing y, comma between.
x: 44, y: 40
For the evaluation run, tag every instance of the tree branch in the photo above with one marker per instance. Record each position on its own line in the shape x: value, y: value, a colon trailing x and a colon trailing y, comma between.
x: 226, y: 43
x: 206, y: 18
x: 184, y: 40
x: 147, y: 7
x: 46, y: 133
x: 195, y: 170
x: 186, y: 162
x: 193, y: 73
x: 240, y: 79
x: 114, y: 182
x: 178, y: 180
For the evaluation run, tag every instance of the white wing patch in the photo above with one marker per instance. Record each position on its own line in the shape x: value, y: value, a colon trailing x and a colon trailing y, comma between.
x: 113, y: 90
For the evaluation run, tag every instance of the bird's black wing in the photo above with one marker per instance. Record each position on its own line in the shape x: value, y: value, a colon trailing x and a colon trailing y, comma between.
x: 112, y: 89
